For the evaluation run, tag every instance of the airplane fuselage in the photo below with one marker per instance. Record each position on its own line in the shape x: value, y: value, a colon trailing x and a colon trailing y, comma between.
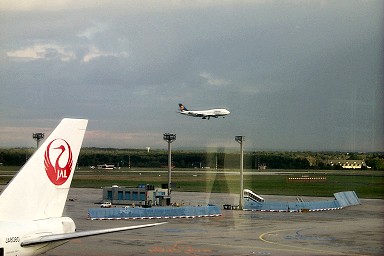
x: 206, y: 113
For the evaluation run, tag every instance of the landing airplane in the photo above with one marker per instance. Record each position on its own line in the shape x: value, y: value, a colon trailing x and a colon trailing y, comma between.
x: 204, y: 114
x: 32, y: 204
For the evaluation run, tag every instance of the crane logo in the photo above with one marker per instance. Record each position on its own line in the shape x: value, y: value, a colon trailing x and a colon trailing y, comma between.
x: 58, y: 170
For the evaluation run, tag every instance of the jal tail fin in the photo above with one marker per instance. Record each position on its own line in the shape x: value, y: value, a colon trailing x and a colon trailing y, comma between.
x: 182, y: 107
x: 39, y: 190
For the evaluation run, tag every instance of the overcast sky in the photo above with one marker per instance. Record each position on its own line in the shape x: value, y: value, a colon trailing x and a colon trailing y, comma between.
x: 296, y: 75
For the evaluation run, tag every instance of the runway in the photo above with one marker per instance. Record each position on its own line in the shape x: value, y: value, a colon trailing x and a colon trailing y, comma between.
x: 356, y: 230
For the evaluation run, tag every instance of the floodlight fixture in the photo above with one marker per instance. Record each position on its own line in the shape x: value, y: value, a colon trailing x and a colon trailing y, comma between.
x: 38, y: 137
x: 169, y: 137
x: 239, y: 138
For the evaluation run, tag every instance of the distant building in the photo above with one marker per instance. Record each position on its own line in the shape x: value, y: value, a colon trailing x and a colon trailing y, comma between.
x: 106, y: 166
x: 262, y: 167
x: 142, y: 195
x: 349, y: 163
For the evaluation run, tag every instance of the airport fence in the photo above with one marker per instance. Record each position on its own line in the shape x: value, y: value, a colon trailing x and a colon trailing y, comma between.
x: 154, y: 212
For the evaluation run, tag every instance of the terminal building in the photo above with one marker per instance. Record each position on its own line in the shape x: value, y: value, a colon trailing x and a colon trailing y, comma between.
x: 349, y: 164
x: 144, y: 195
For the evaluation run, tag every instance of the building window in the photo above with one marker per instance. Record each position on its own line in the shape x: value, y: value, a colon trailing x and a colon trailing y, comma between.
x: 109, y: 195
x: 135, y: 196
x: 142, y: 196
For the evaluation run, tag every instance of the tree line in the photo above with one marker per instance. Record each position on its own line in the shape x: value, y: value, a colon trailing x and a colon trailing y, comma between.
x: 199, y: 159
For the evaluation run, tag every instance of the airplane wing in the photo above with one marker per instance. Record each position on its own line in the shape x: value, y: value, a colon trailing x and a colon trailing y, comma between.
x: 68, y: 236
x: 197, y: 113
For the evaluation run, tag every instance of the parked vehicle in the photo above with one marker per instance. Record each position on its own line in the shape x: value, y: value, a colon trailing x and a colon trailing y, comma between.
x: 106, y: 205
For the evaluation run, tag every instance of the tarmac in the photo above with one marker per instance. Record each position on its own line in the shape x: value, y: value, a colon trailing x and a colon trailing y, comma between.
x: 355, y: 230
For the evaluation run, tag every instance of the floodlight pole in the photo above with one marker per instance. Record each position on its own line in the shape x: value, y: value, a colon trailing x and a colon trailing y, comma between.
x: 38, y: 137
x: 240, y: 140
x: 169, y: 137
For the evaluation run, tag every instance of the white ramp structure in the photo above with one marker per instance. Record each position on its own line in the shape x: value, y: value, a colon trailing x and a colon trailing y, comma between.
x: 254, y: 202
x: 347, y: 198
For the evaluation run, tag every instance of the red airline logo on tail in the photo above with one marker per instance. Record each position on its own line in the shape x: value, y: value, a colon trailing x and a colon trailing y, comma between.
x: 61, y: 153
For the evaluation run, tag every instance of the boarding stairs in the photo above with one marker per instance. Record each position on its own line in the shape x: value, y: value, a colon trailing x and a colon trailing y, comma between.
x: 250, y: 195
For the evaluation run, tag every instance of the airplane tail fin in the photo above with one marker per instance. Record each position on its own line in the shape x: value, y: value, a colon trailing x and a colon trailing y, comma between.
x: 39, y: 190
x: 182, y: 107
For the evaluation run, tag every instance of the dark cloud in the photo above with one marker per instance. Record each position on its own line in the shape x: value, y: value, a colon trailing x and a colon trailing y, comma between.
x: 295, y: 75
